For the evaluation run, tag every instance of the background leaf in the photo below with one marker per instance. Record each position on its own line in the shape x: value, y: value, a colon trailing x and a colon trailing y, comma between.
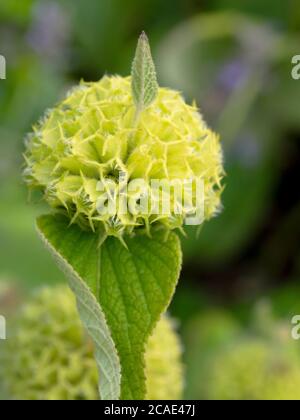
x: 133, y: 288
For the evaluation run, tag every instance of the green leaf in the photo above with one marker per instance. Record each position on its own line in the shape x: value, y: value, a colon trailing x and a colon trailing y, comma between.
x: 121, y: 295
x: 144, y: 81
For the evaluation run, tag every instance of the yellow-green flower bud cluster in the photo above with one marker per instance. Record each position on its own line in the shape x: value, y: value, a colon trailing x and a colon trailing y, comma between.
x: 91, y: 147
x: 49, y: 356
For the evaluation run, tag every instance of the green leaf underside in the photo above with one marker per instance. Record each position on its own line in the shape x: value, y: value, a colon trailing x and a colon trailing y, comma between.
x: 132, y: 287
x: 144, y: 81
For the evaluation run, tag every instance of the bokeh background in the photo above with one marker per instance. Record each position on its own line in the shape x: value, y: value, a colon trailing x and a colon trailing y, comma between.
x: 240, y: 281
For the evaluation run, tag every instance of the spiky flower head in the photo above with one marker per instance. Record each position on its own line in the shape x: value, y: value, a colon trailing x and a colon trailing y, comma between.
x: 49, y: 356
x: 95, y: 155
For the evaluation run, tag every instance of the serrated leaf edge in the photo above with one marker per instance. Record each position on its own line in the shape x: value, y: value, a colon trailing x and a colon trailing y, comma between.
x: 109, y: 385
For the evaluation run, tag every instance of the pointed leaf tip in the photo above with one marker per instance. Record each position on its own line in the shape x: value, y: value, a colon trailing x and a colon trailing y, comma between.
x: 144, y: 36
x: 144, y: 81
